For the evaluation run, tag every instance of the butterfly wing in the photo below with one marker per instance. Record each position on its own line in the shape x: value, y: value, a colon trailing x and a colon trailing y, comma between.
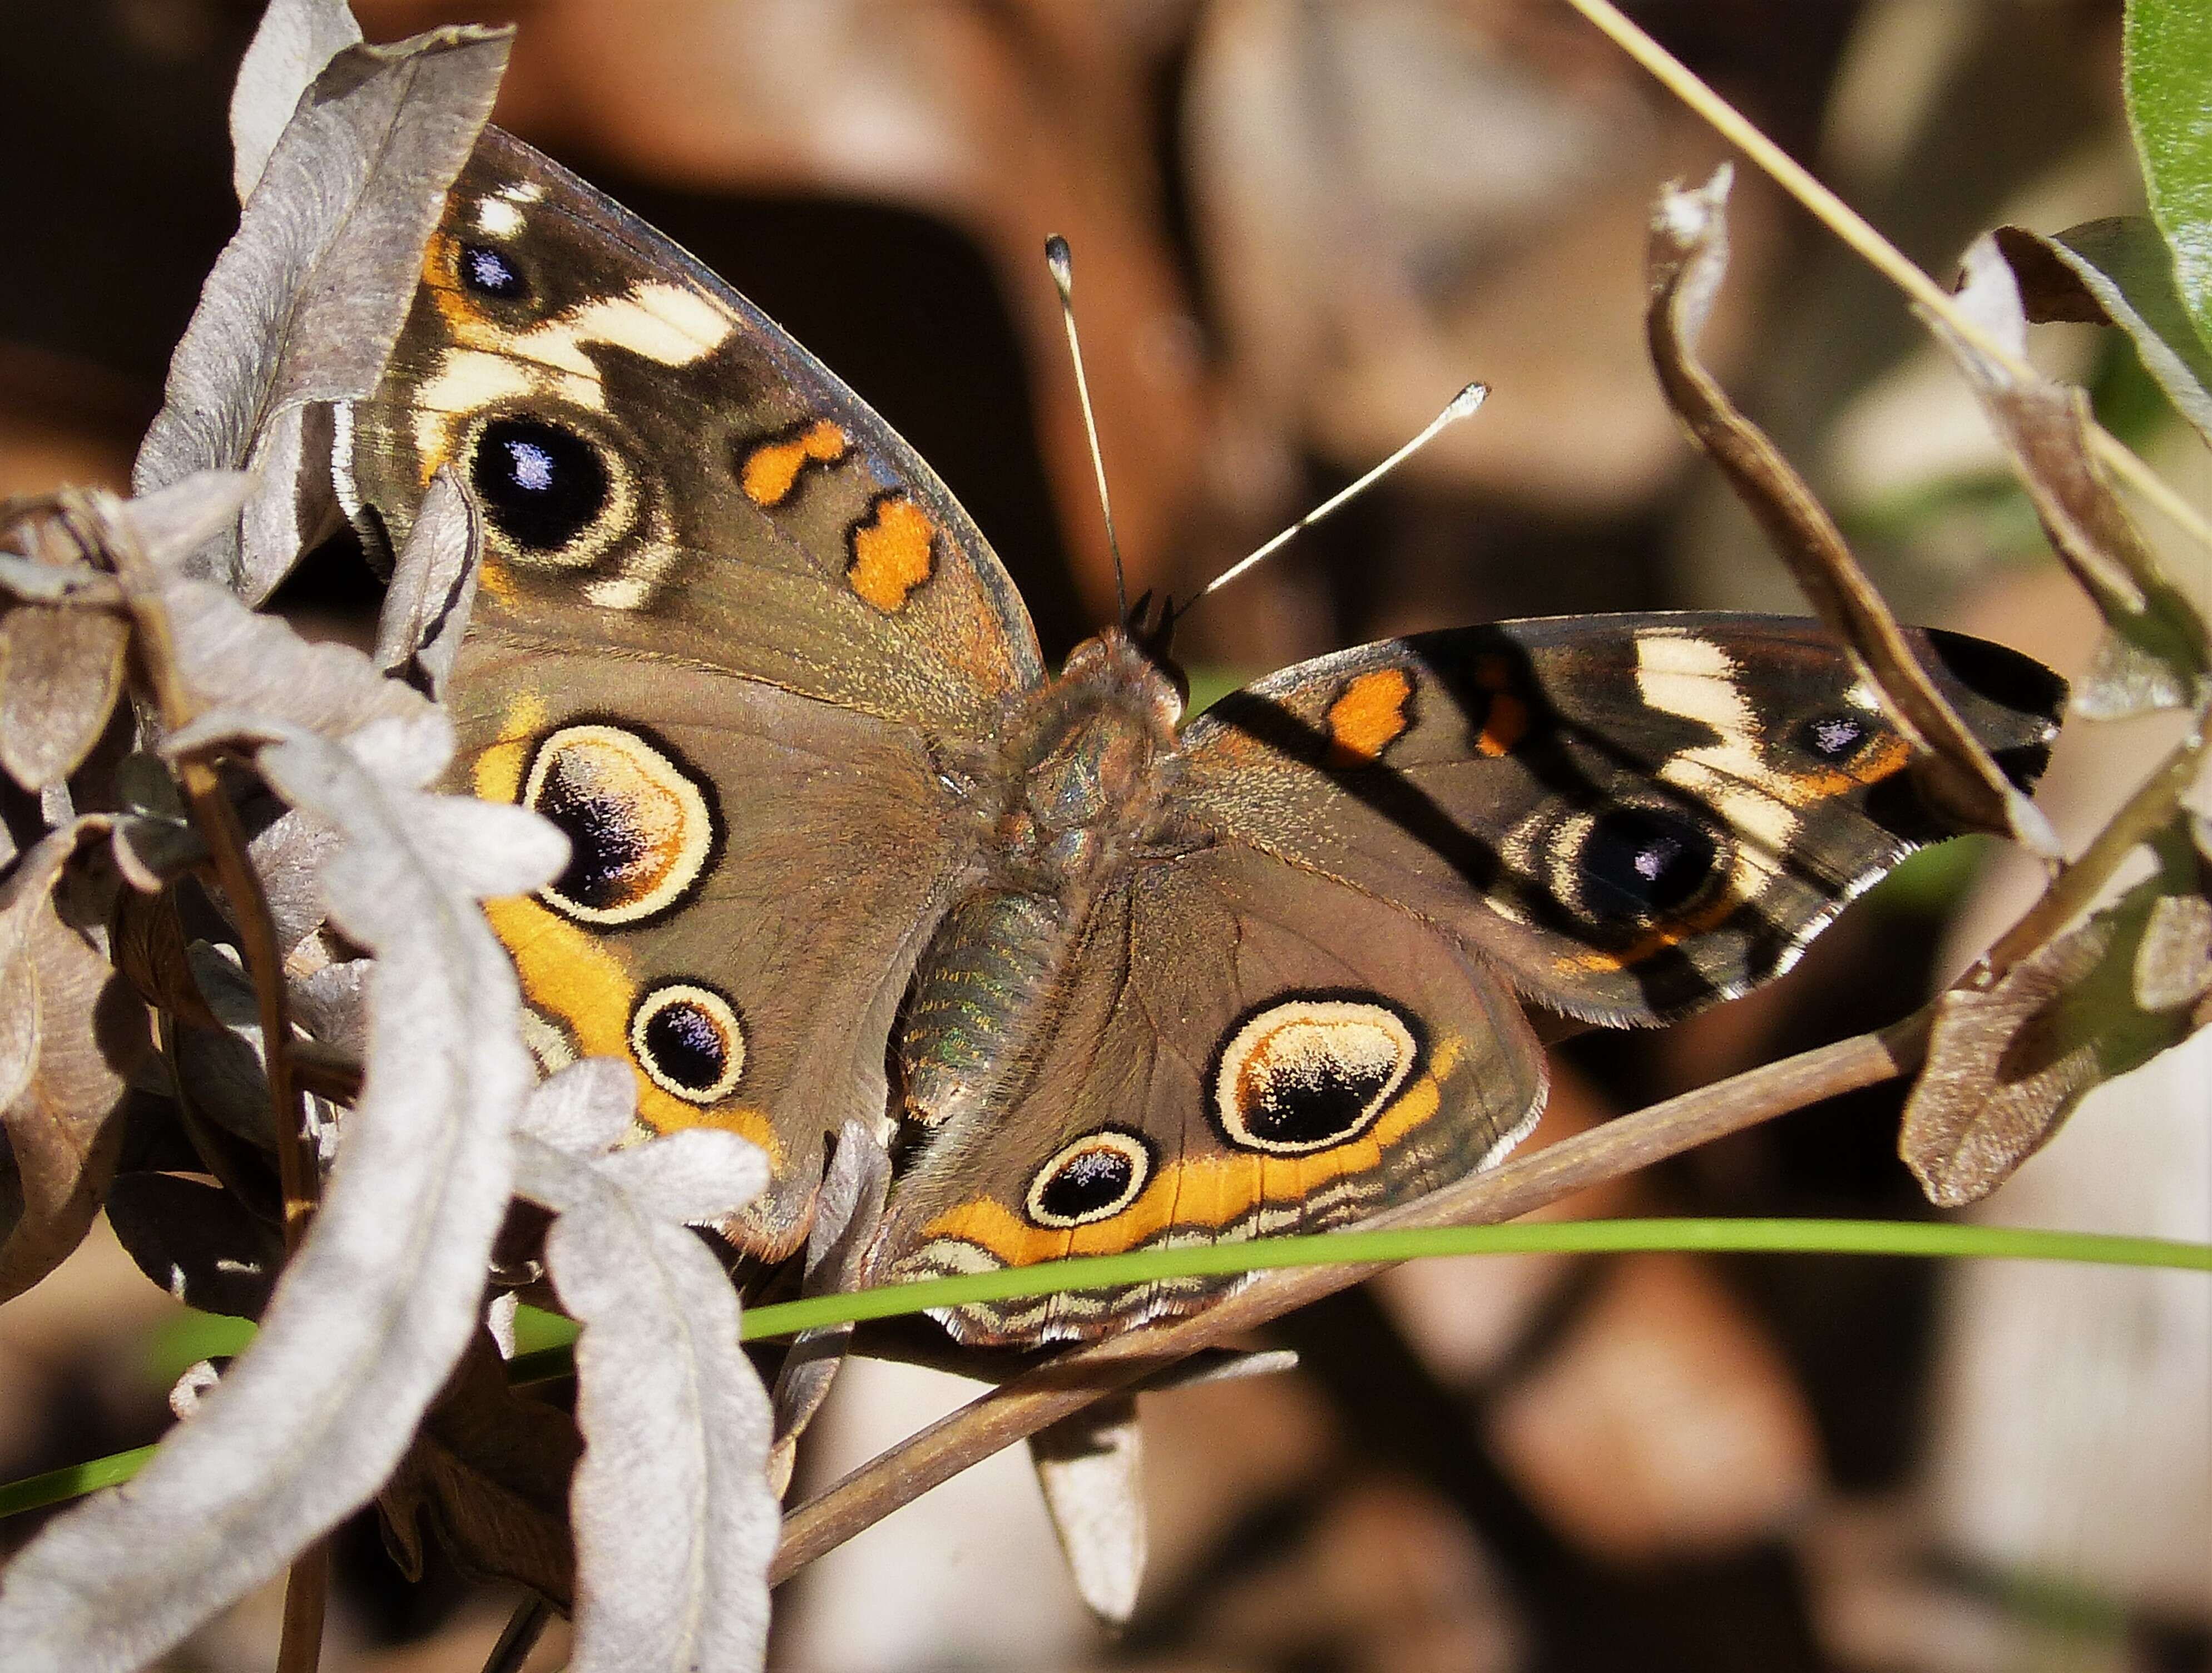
x: 1629, y: 816
x: 1239, y: 1047
x: 660, y: 465
x: 724, y: 617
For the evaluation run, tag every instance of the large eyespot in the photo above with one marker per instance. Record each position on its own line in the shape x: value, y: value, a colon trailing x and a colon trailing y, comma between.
x: 641, y: 825
x: 1306, y: 1073
x: 1092, y: 1179
x: 490, y: 272
x: 1634, y: 863
x: 542, y: 485
x: 689, y: 1040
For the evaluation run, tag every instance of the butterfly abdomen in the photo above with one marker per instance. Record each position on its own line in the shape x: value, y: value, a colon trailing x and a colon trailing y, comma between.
x: 976, y: 999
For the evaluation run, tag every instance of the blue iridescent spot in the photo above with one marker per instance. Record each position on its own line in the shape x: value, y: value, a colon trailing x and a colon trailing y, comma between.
x: 485, y: 271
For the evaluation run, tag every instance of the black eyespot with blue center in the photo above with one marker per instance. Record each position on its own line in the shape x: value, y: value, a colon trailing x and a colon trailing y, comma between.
x: 1092, y: 1179
x: 541, y: 486
x: 1834, y: 736
x: 1637, y: 863
x: 690, y: 1040
x: 490, y: 272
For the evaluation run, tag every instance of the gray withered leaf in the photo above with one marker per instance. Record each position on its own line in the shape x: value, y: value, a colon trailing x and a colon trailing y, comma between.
x: 70, y: 1034
x: 673, y: 1519
x: 304, y: 303
x: 2046, y: 426
x: 1090, y: 1467
x: 61, y: 670
x: 383, y: 1295
x: 2118, y: 271
x: 196, y: 1241
x: 1687, y: 260
x: 434, y: 588
x: 845, y: 1214
x: 2006, y: 1065
x: 296, y: 40
x: 489, y: 1471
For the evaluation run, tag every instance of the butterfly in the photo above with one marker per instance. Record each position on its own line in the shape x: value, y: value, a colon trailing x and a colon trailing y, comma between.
x: 1110, y: 978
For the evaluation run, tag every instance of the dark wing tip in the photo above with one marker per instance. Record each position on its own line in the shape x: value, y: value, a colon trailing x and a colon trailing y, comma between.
x: 2011, y: 701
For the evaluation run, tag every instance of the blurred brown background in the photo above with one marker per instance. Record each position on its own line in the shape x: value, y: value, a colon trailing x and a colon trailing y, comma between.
x: 1299, y: 228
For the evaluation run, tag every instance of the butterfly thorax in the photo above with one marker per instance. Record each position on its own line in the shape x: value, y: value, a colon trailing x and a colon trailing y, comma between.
x: 1080, y: 785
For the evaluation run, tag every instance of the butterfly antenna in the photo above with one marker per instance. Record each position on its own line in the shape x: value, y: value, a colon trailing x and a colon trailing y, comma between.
x: 1062, y: 260
x: 1463, y: 406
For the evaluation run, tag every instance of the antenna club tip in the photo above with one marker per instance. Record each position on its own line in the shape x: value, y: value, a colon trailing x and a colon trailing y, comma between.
x: 1061, y: 259
x: 1468, y: 401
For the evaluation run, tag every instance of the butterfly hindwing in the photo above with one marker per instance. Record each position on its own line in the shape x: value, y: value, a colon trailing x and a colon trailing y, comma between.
x: 1239, y: 1048
x: 1629, y: 816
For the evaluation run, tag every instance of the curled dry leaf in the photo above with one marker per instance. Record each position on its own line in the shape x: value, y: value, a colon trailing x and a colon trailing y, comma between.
x: 674, y: 1522
x: 196, y: 1241
x: 2045, y: 428
x: 303, y: 305
x: 2006, y: 1064
x: 2118, y: 271
x: 1090, y: 1467
x: 433, y: 588
x: 1953, y: 771
x: 296, y: 38
x: 70, y: 1033
x: 372, y: 1311
x: 61, y: 670
x: 846, y: 1213
x: 491, y: 1474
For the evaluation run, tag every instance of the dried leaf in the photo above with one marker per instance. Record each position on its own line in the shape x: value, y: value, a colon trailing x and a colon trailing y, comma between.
x: 197, y: 1242
x: 491, y: 1473
x: 674, y: 1522
x: 231, y: 659
x: 2045, y: 428
x: 845, y: 1214
x: 433, y: 590
x: 1955, y: 773
x: 61, y: 670
x: 2006, y: 1065
x: 304, y: 303
x: 384, y: 1294
x: 2118, y: 272
x: 1092, y: 1469
x: 296, y: 38
x: 70, y: 1034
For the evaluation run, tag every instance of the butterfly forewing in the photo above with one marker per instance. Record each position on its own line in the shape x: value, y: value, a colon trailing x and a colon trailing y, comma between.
x: 1630, y: 816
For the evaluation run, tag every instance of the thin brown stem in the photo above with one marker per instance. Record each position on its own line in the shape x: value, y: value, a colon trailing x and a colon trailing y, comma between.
x: 1075, y: 1379
x: 1857, y: 232
x: 306, y: 1592
x: 298, y: 1170
x: 306, y: 1588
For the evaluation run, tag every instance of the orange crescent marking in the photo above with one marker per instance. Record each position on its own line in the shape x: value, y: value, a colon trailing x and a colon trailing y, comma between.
x: 892, y: 553
x: 1201, y: 1193
x: 772, y: 469
x: 1369, y: 717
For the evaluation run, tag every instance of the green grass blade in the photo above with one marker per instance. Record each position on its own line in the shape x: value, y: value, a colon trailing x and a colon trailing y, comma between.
x: 1918, y: 1240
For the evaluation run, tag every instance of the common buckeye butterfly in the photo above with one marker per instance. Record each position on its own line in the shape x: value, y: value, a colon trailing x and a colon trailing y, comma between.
x: 845, y: 849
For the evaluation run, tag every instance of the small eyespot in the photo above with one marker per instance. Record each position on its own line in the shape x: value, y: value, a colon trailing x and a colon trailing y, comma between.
x: 1636, y: 863
x: 689, y: 1040
x: 1304, y: 1074
x: 1092, y: 1179
x: 1833, y: 738
x: 640, y: 828
x: 541, y: 486
x: 490, y: 272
